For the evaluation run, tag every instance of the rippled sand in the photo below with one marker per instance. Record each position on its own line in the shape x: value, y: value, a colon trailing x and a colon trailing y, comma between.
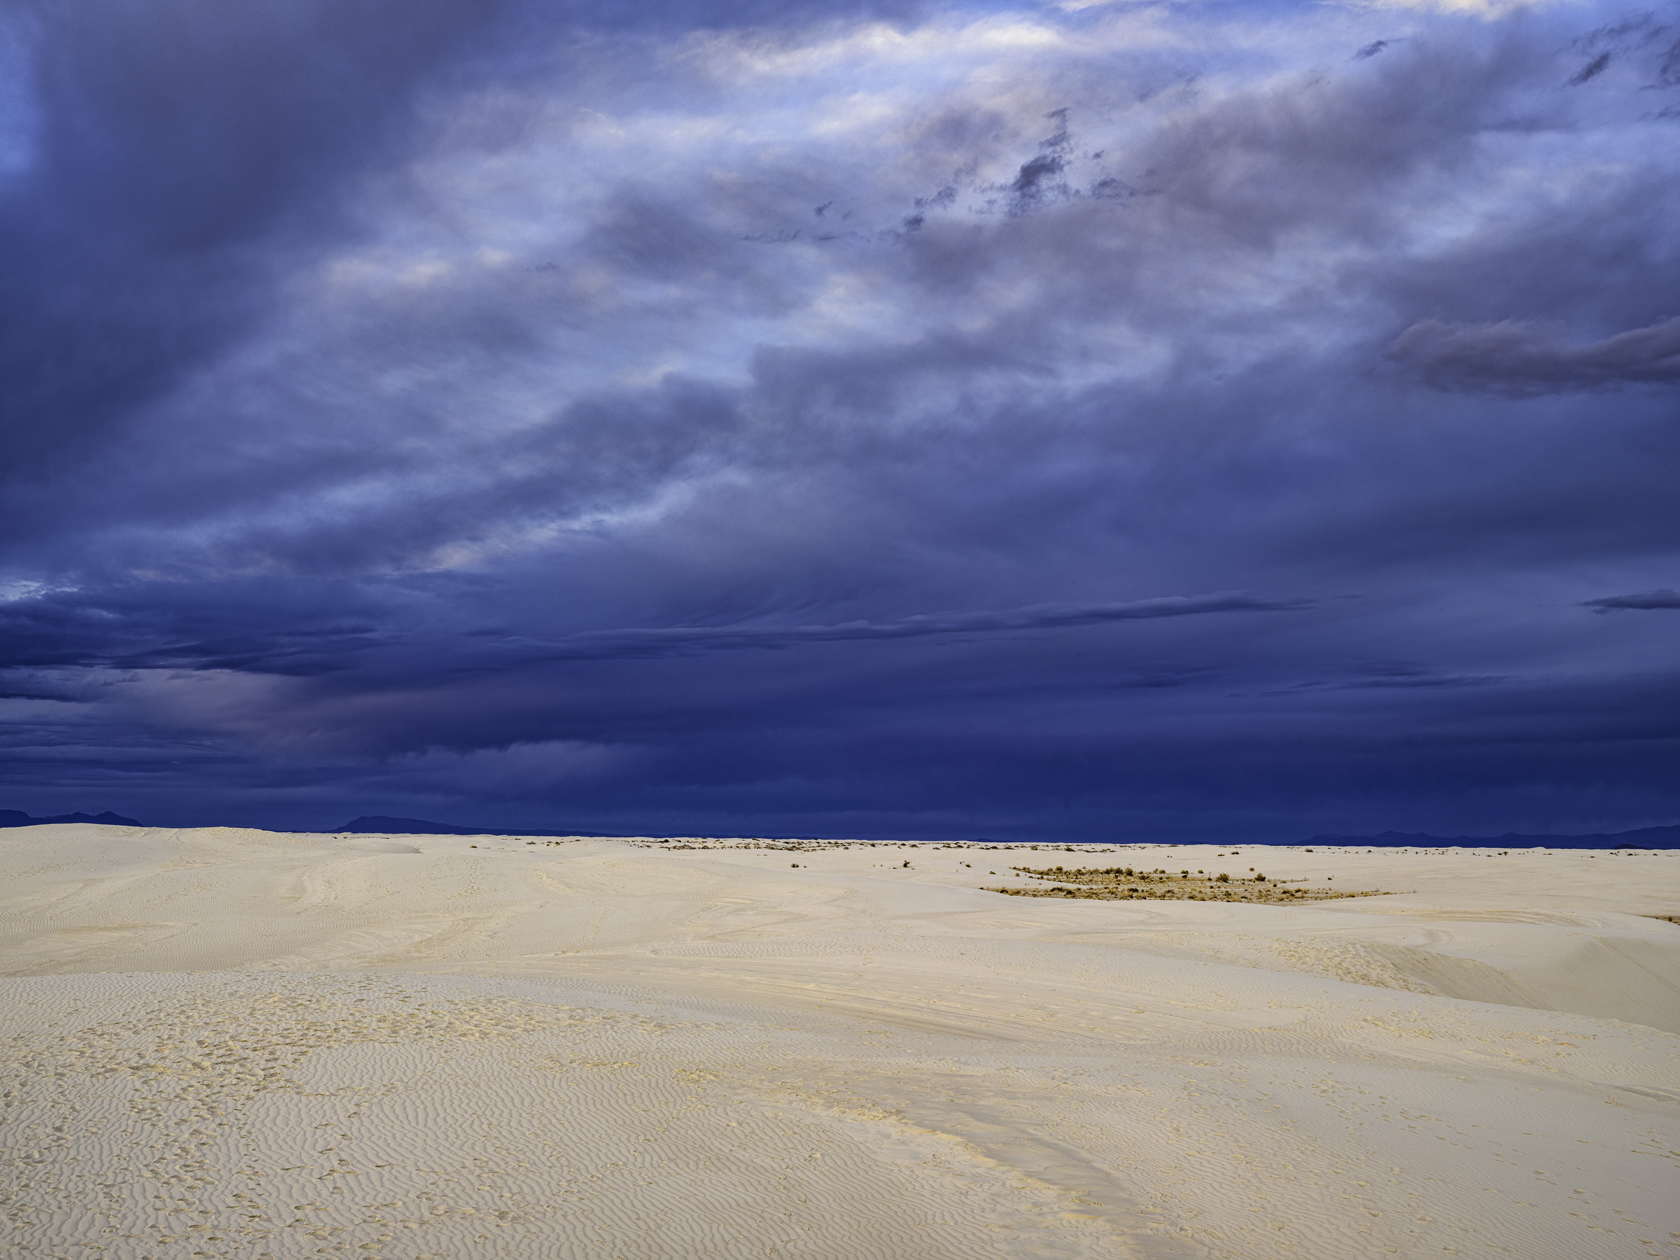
x: 239, y: 1043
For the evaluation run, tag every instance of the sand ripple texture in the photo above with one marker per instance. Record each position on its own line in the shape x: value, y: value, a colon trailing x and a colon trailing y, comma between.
x: 239, y: 1044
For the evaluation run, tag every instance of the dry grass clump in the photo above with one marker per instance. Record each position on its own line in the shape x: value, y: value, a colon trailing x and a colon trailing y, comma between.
x: 1117, y: 883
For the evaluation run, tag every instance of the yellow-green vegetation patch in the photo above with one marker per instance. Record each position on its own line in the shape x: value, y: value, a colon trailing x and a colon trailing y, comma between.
x: 1122, y: 883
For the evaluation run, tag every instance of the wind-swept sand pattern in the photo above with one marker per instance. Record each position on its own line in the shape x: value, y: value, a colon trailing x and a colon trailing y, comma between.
x: 246, y: 1044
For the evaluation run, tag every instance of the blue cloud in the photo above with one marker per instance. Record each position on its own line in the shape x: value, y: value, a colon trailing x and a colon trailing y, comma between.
x: 459, y: 409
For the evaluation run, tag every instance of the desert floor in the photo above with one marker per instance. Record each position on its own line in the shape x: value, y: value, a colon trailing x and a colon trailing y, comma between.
x: 237, y: 1043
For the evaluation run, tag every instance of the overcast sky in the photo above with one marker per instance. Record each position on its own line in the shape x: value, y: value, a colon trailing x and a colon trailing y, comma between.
x: 1084, y: 420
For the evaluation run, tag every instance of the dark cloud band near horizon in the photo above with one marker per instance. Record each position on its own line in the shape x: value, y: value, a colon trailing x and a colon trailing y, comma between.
x: 798, y: 419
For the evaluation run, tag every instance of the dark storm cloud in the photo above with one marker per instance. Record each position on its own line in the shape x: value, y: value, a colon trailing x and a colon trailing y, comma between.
x: 1392, y: 674
x: 425, y: 412
x: 1649, y: 600
x: 131, y: 630
x: 167, y: 141
x: 258, y: 627
x: 1523, y: 360
x: 1597, y: 66
x: 679, y: 640
x: 183, y: 160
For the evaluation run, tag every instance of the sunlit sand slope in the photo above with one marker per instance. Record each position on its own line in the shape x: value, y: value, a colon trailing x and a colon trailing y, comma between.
x: 236, y: 1043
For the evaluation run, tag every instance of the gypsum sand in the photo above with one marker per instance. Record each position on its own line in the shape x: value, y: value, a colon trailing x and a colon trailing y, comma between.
x: 238, y: 1043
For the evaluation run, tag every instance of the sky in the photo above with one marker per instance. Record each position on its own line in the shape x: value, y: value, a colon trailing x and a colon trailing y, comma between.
x: 1082, y: 421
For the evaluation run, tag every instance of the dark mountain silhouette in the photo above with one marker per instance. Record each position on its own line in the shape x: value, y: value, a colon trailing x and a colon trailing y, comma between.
x: 1643, y: 838
x: 17, y: 818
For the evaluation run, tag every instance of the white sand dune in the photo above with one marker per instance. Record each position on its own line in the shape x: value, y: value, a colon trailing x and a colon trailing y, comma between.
x: 248, y: 1044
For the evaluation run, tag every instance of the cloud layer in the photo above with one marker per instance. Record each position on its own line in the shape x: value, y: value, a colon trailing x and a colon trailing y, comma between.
x: 852, y: 421
x: 1521, y: 360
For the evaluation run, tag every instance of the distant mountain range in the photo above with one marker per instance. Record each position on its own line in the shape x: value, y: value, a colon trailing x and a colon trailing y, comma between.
x: 17, y: 818
x: 1644, y: 838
